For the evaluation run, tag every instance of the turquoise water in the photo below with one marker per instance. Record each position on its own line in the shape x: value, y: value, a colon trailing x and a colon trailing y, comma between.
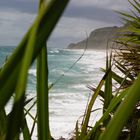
x: 69, y: 95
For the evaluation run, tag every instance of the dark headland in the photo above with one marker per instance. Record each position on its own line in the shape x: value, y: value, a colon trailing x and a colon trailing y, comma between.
x: 98, y: 39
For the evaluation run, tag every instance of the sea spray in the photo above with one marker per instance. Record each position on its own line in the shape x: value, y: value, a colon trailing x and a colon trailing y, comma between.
x: 68, y: 97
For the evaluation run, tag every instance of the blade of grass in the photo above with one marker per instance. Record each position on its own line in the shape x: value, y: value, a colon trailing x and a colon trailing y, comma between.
x: 15, y: 120
x: 3, y: 124
x: 42, y: 92
x: 42, y: 96
x: 108, y: 83
x: 123, y: 112
x: 33, y: 126
x: 48, y: 21
x: 77, y: 131
x: 127, y: 16
x: 25, y: 130
x: 136, y: 5
x: 31, y: 116
x: 108, y: 86
x: 93, y: 98
x: 137, y: 135
x: 114, y: 102
x: 101, y: 92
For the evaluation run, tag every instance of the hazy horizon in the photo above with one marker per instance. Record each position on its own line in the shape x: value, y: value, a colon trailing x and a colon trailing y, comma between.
x: 80, y: 18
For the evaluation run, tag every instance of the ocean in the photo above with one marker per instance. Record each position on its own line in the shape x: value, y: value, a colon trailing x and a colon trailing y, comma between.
x: 71, y: 72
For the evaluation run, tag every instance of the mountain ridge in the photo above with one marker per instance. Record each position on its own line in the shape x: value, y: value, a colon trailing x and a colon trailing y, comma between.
x: 98, y: 39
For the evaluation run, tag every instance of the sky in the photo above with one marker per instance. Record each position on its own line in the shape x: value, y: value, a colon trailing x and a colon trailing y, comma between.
x: 79, y: 19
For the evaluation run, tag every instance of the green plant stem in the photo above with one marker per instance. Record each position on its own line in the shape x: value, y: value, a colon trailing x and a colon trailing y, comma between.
x: 123, y: 112
x: 42, y: 91
x: 91, y: 103
x: 42, y: 96
x: 48, y: 19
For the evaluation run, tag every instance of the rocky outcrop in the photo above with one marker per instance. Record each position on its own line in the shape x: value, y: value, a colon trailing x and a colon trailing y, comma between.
x: 98, y: 39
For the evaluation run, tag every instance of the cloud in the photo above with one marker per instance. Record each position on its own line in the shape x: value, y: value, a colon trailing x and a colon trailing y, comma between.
x: 93, y: 13
x: 107, y: 4
x: 28, y: 6
x: 72, y: 29
x: 81, y: 16
x: 13, y: 25
x: 72, y: 26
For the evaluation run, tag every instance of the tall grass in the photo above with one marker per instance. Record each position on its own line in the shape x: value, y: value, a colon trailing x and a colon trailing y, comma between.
x: 42, y: 91
x: 120, y: 119
x: 118, y: 105
x: 13, y: 76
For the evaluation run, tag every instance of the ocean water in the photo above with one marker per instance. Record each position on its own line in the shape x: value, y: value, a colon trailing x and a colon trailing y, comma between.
x: 69, y: 95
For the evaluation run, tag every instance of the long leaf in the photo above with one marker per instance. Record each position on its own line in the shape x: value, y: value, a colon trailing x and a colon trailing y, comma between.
x: 114, y: 102
x: 25, y: 130
x: 108, y: 83
x: 123, y: 113
x: 137, y: 135
x: 136, y: 5
x: 17, y: 111
x: 91, y: 103
x: 42, y: 96
x: 15, y: 121
x: 48, y: 21
x: 3, y: 124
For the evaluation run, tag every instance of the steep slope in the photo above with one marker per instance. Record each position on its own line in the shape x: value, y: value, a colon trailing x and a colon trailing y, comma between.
x: 98, y: 39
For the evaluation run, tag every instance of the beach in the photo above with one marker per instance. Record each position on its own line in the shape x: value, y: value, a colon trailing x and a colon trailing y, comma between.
x: 69, y: 95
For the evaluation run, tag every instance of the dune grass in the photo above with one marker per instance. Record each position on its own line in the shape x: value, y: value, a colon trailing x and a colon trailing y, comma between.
x: 120, y: 107
x: 13, y: 76
x: 120, y: 119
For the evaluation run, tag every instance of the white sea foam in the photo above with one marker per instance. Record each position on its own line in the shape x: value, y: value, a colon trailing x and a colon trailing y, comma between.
x: 68, y: 98
x: 65, y: 109
x: 32, y: 71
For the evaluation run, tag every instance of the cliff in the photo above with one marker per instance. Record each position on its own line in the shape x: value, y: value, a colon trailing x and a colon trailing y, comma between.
x: 98, y: 39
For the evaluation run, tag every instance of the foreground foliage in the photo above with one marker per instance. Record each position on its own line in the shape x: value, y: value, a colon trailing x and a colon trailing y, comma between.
x: 120, y: 119
x: 121, y: 104
x: 13, y: 76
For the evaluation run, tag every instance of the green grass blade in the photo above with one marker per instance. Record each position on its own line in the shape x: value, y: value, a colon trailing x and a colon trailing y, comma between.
x: 25, y: 130
x: 123, y: 112
x: 136, y: 6
x: 137, y: 135
x: 119, y: 79
x: 42, y: 96
x: 8, y: 86
x: 77, y: 131
x: 15, y: 120
x: 101, y: 92
x: 123, y: 70
x: 91, y: 103
x: 42, y: 92
x: 108, y: 87
x: 17, y: 111
x: 127, y: 16
x: 48, y: 21
x: 108, y: 84
x: 33, y: 126
x: 3, y: 124
x: 114, y: 102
